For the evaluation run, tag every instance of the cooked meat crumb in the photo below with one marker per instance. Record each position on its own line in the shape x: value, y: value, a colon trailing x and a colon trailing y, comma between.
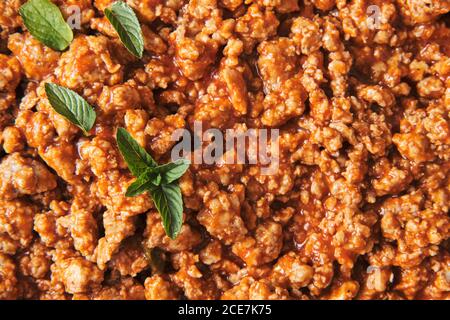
x: 359, y: 205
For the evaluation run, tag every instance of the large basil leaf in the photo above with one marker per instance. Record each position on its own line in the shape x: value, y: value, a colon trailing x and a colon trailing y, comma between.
x: 127, y: 26
x: 169, y: 202
x: 71, y: 105
x: 45, y: 22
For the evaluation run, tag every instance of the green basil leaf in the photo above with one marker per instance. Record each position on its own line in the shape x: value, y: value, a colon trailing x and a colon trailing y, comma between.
x: 137, y: 159
x: 157, y: 180
x: 125, y: 22
x: 142, y: 184
x: 174, y: 170
x: 146, y: 181
x: 71, y: 105
x: 169, y: 202
x: 45, y: 22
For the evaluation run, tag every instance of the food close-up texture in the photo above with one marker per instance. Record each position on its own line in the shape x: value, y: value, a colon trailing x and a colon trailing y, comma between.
x: 358, y: 207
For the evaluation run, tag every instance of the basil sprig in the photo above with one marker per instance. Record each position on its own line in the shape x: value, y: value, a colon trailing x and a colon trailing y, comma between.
x: 45, y: 22
x: 159, y: 180
x: 71, y: 105
x: 127, y: 26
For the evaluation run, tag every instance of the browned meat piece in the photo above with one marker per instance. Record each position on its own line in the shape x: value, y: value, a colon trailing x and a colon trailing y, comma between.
x: 339, y: 189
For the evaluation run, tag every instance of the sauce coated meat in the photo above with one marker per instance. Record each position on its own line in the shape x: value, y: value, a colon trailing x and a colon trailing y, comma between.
x: 357, y: 208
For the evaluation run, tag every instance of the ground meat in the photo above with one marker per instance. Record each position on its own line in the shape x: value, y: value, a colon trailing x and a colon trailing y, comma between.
x: 12, y: 140
x: 9, y: 80
x: 251, y: 289
x: 276, y: 61
x: 83, y: 229
x: 27, y: 49
x: 16, y: 218
x: 415, y: 147
x: 24, y: 176
x: 263, y: 248
x: 9, y: 17
x: 357, y: 203
x: 389, y: 179
x: 119, y: 97
x: 157, y: 288
x: 126, y: 97
x: 344, y: 291
x: 415, y: 232
x: 415, y: 12
x: 86, y: 10
x: 8, y: 281
x: 264, y: 290
x: 100, y: 154
x: 48, y: 226
x: 87, y: 64
x: 123, y: 289
x: 221, y: 216
x: 256, y: 25
x: 61, y: 157
x: 155, y: 236
x: 77, y: 275
x: 110, y: 189
x: 160, y: 132
x: 117, y: 228
x: 290, y: 269
x: 36, y: 261
x: 130, y: 260
x: 191, y: 280
x: 284, y: 104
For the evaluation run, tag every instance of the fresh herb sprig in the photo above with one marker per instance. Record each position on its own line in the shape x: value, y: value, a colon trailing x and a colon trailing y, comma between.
x: 46, y: 23
x: 126, y: 24
x: 159, y: 180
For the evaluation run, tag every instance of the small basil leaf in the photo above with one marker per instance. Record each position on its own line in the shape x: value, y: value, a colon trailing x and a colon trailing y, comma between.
x: 174, y: 170
x: 71, y: 105
x: 45, y: 22
x: 137, y: 159
x: 127, y: 26
x: 169, y: 203
x: 157, y: 180
x: 142, y: 184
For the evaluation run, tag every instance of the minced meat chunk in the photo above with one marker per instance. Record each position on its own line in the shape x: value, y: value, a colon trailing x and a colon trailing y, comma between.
x: 339, y: 189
